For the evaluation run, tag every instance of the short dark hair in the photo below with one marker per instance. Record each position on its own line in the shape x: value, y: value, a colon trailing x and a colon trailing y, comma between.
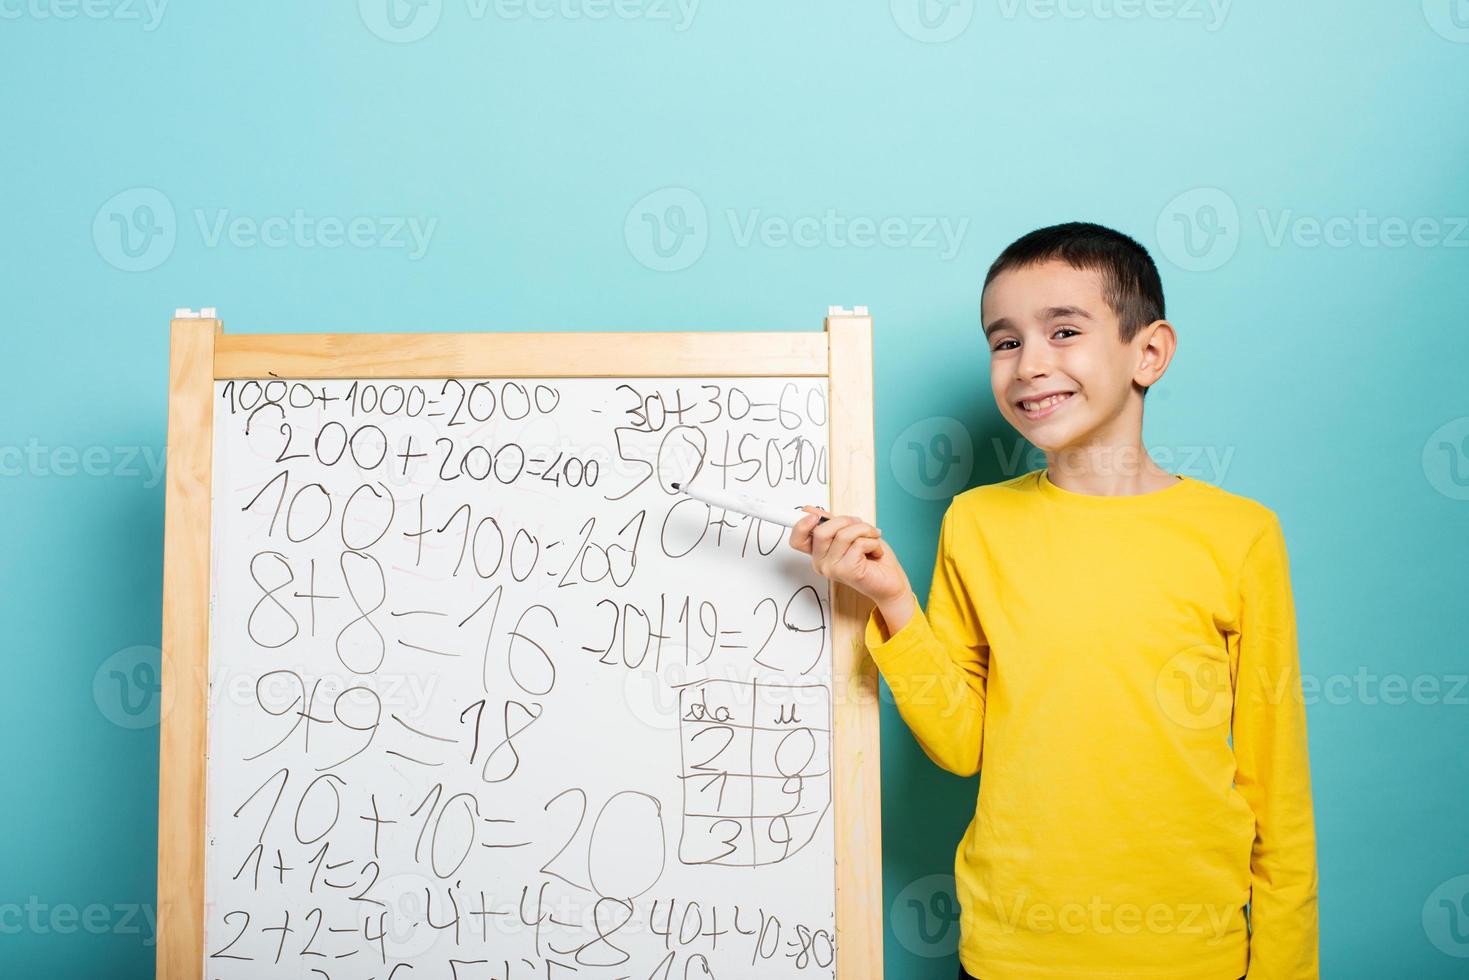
x: 1130, y: 282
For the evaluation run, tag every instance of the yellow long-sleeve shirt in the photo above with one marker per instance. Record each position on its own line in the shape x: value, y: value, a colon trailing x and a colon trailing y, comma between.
x: 1091, y: 657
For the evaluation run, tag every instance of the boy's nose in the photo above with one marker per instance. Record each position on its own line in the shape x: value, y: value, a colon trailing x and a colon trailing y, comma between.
x: 1028, y: 374
x: 1031, y: 366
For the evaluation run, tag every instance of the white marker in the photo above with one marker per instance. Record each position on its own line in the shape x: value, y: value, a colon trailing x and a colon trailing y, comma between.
x: 744, y: 504
x: 752, y: 507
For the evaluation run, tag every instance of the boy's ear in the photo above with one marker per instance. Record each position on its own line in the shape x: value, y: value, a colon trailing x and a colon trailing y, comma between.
x: 1157, y: 343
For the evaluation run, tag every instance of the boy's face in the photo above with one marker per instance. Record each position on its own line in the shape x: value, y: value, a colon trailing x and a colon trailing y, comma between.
x: 1050, y: 330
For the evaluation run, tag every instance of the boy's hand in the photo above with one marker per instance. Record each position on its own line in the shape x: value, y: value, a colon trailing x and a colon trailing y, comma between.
x: 850, y: 551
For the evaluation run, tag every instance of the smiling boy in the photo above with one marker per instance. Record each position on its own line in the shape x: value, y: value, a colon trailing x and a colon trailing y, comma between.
x: 1113, y: 648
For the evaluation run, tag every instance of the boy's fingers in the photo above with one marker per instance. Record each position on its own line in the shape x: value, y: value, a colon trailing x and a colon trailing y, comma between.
x: 859, y: 552
x: 862, y: 542
x: 800, y: 538
x: 851, y: 532
x: 824, y: 535
x: 836, y: 543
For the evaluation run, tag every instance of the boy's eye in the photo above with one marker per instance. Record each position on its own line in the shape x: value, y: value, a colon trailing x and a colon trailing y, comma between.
x: 1069, y: 330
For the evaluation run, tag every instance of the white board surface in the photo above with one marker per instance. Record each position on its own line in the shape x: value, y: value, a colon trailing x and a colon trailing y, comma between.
x: 489, y: 701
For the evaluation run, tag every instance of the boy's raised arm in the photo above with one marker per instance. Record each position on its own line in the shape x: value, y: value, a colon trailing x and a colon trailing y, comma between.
x: 937, y: 664
x: 1272, y: 768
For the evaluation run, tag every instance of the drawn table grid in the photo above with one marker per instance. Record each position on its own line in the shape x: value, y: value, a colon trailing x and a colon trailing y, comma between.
x: 791, y: 752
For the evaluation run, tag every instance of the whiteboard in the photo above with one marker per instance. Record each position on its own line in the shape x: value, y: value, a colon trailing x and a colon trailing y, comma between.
x: 487, y: 699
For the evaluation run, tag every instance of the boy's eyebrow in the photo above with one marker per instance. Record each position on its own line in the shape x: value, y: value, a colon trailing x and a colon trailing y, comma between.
x: 1049, y: 313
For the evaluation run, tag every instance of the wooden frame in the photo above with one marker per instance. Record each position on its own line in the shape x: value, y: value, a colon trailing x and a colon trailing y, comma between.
x: 201, y: 353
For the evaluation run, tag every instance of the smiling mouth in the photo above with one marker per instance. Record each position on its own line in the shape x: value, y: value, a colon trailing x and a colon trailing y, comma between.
x: 1035, y: 410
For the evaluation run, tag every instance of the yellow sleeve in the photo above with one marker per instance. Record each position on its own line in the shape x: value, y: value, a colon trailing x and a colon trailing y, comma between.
x: 1272, y: 770
x: 936, y: 667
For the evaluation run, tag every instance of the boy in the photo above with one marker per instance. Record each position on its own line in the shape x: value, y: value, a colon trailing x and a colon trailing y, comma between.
x: 1096, y: 632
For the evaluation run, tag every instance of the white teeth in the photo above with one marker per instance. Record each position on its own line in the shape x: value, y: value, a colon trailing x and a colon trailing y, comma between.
x: 1044, y: 403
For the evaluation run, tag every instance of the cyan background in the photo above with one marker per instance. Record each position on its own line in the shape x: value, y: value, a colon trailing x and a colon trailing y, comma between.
x: 1327, y: 380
